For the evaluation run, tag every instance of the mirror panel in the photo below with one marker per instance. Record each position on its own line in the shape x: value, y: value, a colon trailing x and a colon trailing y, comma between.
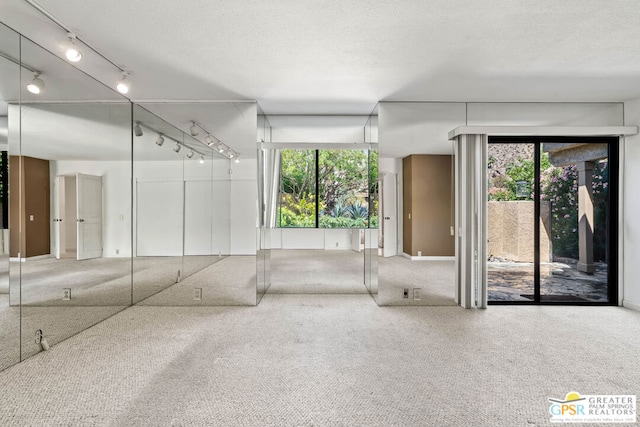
x: 211, y: 202
x: 159, y: 151
x: 9, y: 290
x: 70, y: 200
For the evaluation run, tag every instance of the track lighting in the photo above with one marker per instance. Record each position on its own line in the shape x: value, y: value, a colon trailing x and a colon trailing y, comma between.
x: 73, y: 54
x: 237, y: 159
x: 190, y: 153
x: 177, y: 147
x: 201, y: 161
x: 193, y: 129
x: 231, y: 154
x: 209, y: 140
x: 137, y: 129
x: 160, y: 140
x: 220, y: 147
x: 123, y: 85
x: 36, y: 85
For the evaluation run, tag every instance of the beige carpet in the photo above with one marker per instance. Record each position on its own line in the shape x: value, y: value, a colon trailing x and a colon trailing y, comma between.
x: 9, y: 333
x: 325, y: 360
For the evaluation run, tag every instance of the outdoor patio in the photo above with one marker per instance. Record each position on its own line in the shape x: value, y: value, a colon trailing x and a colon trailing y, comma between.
x: 560, y: 281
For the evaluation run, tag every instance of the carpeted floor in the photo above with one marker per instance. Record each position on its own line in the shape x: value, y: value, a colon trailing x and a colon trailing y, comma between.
x: 325, y: 360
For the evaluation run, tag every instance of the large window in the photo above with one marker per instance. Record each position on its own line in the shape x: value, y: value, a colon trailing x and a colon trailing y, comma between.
x: 328, y: 189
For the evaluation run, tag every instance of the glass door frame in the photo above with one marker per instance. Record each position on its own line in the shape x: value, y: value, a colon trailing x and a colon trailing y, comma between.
x: 612, y: 233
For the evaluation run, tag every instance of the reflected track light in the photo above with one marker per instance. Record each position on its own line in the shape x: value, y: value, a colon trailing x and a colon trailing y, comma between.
x: 160, y: 140
x: 123, y: 85
x: 190, y: 153
x: 193, y: 129
x: 73, y: 54
x: 137, y: 129
x: 36, y: 85
x: 201, y: 161
x: 237, y: 159
x: 177, y: 148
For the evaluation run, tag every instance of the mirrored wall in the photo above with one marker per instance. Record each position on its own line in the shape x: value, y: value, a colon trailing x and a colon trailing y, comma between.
x: 319, y: 206
x: 69, y: 200
x: 9, y: 289
x: 185, y: 209
x: 106, y: 204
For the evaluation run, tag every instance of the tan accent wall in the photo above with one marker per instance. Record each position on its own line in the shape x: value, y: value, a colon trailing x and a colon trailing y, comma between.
x: 427, y: 205
x: 510, y: 232
x: 29, y: 197
x: 407, y: 205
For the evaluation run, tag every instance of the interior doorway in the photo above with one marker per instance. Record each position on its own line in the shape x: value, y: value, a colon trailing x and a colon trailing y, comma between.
x: 78, y: 217
x: 550, y: 205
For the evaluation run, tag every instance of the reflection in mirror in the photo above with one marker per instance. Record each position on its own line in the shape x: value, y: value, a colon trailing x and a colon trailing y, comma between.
x: 416, y: 264
x: 267, y: 162
x: 9, y: 95
x: 159, y: 193
x: 183, y: 206
x: 70, y: 200
x: 318, y: 216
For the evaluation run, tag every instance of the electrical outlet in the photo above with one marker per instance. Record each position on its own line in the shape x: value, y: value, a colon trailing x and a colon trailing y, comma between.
x: 405, y: 293
x: 416, y: 294
x: 66, y: 294
x: 197, y: 294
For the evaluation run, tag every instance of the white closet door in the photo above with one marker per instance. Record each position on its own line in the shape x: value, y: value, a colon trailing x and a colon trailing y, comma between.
x: 89, y: 194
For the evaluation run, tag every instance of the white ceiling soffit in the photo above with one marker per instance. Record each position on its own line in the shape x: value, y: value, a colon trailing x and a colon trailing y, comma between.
x: 304, y: 56
x: 317, y: 129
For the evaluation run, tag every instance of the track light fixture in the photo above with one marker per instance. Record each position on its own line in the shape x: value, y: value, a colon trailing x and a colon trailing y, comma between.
x: 210, y: 140
x: 73, y: 54
x: 190, y: 153
x: 231, y: 154
x: 193, y: 129
x: 201, y: 161
x: 137, y: 130
x: 123, y: 85
x: 220, y: 147
x: 177, y: 148
x: 160, y: 140
x: 36, y: 85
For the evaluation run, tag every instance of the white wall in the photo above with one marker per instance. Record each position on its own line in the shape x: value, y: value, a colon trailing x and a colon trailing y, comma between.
x: 244, y: 207
x: 311, y: 238
x: 630, y: 228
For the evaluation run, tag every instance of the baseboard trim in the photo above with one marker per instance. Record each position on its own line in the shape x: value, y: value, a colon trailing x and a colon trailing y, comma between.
x: 429, y: 258
x: 31, y: 258
x: 630, y: 305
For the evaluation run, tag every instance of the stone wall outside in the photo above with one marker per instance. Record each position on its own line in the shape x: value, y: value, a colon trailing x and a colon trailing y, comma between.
x: 510, y: 231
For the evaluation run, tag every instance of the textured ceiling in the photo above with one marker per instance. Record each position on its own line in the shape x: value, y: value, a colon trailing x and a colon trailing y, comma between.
x: 341, y: 57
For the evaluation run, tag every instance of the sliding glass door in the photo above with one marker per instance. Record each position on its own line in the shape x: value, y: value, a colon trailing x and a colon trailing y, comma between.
x: 552, y: 210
